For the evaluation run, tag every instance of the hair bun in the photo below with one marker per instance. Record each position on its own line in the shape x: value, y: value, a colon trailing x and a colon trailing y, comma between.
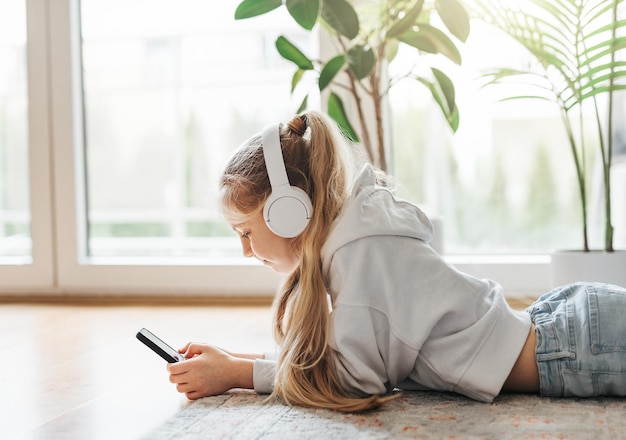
x: 298, y: 125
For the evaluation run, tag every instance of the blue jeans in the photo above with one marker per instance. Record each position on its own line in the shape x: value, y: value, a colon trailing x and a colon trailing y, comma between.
x: 581, y: 340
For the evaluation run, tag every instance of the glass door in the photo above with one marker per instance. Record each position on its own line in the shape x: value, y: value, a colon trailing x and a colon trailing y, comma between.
x: 157, y: 102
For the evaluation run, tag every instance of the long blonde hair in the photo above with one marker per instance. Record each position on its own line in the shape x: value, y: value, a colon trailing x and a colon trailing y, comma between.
x: 316, y: 158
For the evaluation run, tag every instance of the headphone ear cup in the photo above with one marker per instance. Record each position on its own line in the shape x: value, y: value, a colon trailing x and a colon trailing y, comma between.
x: 288, y: 211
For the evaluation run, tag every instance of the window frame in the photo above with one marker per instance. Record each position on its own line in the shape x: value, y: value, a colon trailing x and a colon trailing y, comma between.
x: 38, y: 274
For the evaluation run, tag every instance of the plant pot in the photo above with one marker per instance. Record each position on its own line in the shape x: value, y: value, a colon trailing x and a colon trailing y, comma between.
x: 572, y: 266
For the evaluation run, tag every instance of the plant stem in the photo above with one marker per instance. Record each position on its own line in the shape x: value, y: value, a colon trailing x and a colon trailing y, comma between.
x: 606, y: 165
x: 580, y: 174
x: 365, y: 136
x: 375, y: 78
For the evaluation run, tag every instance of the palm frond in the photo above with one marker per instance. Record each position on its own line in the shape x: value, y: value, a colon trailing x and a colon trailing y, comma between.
x: 572, y: 39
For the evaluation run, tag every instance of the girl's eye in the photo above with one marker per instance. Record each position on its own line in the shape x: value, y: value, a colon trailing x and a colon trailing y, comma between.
x: 245, y: 235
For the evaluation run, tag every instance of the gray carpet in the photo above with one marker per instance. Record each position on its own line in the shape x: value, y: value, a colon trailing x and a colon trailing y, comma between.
x: 421, y: 415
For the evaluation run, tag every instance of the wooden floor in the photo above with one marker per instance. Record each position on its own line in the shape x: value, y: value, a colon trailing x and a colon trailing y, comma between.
x: 72, y: 371
x: 78, y: 372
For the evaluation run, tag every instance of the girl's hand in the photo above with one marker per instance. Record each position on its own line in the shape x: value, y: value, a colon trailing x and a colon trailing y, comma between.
x: 209, y: 371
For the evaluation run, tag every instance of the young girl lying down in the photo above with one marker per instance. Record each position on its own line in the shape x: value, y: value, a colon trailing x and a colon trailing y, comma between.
x: 399, y: 315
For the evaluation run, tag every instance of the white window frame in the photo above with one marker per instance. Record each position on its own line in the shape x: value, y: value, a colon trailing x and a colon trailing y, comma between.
x: 57, y: 200
x: 16, y: 275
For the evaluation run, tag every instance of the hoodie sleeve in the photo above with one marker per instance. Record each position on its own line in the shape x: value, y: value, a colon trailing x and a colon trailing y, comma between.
x: 263, y: 374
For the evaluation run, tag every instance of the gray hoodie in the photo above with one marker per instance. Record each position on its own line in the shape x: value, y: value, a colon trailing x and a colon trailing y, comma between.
x: 401, y: 316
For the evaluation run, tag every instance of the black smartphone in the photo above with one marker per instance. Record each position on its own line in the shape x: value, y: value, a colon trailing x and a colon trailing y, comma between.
x: 159, y: 347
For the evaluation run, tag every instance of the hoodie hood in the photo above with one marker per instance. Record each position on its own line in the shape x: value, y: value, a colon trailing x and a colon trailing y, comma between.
x: 372, y: 210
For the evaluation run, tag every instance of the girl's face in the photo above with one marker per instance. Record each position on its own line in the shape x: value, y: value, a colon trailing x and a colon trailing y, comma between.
x: 258, y: 241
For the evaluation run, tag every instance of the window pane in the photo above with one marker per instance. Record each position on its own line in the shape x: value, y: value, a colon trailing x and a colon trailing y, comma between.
x: 505, y: 182
x: 14, y: 189
x: 168, y: 95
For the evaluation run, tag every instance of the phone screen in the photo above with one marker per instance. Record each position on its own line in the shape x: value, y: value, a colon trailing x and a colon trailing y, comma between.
x: 159, y: 347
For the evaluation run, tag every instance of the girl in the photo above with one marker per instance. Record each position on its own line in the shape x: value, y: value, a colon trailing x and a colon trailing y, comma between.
x: 399, y: 315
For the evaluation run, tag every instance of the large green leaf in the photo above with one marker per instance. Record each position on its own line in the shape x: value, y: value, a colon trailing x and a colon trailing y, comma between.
x: 443, y: 93
x: 290, y: 52
x: 341, y: 16
x: 447, y: 88
x: 252, y: 8
x: 455, y: 17
x: 361, y: 60
x: 419, y: 41
x: 304, y: 12
x: 330, y: 70
x: 295, y: 80
x: 336, y: 111
x: 430, y: 39
x: 407, y: 21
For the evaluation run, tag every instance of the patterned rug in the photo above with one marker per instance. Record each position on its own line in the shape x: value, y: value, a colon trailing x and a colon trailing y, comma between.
x: 419, y: 415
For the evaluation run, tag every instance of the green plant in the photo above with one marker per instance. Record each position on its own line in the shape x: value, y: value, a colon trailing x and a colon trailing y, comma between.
x: 366, y: 35
x: 579, y: 46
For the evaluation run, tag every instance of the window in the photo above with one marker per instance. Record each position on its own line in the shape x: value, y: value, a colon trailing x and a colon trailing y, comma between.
x: 167, y: 99
x: 144, y: 115
x: 112, y: 143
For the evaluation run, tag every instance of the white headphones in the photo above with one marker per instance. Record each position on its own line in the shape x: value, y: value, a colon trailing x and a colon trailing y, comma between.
x: 288, y: 209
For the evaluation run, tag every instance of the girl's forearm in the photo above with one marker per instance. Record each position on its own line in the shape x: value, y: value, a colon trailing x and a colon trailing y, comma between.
x: 243, y: 373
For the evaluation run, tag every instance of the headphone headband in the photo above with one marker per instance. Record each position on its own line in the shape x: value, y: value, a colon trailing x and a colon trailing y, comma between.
x: 273, y: 155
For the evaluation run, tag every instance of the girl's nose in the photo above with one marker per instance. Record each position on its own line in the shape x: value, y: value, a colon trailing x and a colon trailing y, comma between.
x: 247, y: 249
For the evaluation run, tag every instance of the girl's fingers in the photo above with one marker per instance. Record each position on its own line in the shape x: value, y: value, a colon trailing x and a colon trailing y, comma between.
x: 183, y: 388
x: 176, y: 368
x: 193, y: 395
x: 176, y: 378
x: 194, y: 349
